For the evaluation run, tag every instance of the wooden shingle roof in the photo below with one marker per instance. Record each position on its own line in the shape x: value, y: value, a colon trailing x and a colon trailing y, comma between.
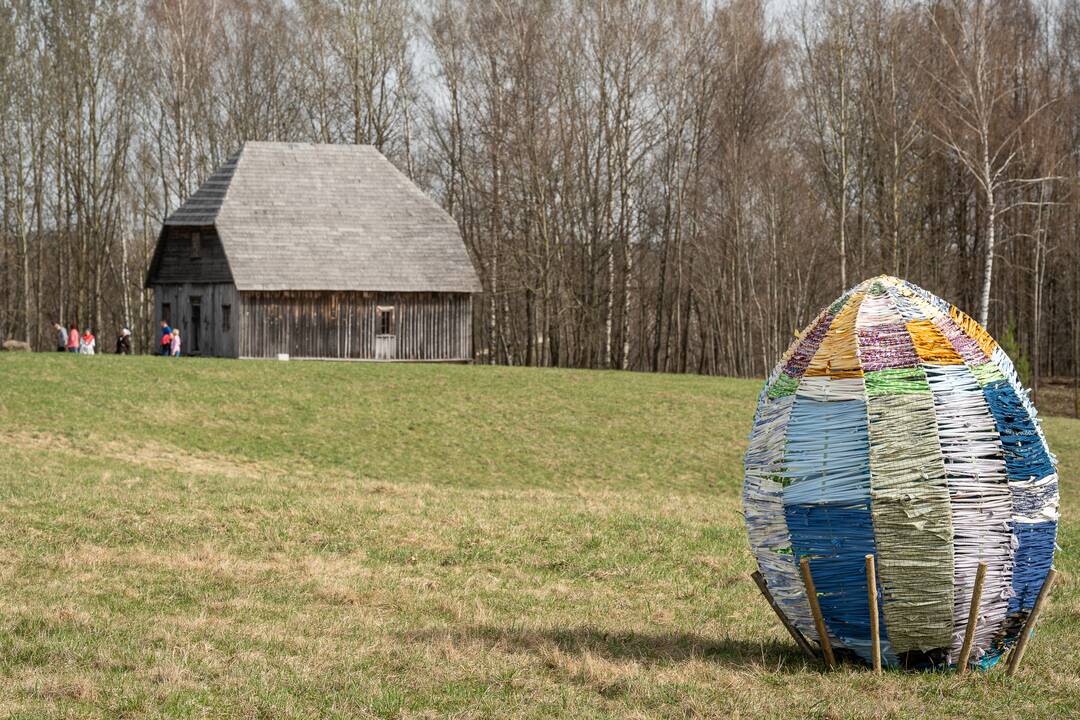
x: 299, y: 216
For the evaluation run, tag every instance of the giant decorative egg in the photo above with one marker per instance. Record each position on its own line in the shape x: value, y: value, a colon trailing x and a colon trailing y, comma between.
x: 895, y: 426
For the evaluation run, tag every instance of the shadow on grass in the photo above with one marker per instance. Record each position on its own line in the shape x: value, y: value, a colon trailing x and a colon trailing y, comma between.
x: 649, y: 648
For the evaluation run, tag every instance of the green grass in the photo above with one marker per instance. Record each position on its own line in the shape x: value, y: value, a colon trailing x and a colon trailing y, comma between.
x: 226, y: 539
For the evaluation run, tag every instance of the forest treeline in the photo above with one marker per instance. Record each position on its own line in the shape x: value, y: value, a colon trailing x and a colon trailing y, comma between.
x: 658, y: 185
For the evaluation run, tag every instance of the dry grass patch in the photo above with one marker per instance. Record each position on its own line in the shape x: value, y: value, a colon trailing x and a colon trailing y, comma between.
x: 145, y: 454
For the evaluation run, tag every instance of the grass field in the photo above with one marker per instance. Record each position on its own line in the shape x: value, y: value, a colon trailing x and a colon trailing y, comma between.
x: 225, y: 539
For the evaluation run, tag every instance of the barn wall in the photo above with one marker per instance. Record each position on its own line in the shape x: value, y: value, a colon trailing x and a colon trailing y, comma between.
x: 176, y: 265
x: 214, y: 338
x: 343, y: 325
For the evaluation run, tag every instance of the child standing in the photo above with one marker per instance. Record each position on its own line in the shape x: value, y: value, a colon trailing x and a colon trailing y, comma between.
x: 73, y: 338
x: 174, y: 348
x: 87, y: 343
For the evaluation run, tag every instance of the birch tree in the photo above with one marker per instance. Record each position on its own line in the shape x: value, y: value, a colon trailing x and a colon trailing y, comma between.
x: 975, y: 85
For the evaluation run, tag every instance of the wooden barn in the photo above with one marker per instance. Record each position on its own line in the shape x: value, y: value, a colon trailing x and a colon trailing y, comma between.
x: 317, y: 251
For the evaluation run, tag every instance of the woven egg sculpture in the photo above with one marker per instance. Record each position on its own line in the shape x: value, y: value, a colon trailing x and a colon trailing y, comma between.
x: 895, y: 426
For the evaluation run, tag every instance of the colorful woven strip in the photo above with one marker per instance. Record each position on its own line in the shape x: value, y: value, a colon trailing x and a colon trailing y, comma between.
x: 896, y: 426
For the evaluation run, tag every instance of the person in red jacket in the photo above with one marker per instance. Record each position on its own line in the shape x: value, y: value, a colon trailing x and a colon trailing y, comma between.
x: 73, y: 339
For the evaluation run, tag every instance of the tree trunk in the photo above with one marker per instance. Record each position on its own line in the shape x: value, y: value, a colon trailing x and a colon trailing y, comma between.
x: 991, y: 221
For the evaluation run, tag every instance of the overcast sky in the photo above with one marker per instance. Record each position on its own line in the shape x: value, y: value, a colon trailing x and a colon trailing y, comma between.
x: 778, y: 9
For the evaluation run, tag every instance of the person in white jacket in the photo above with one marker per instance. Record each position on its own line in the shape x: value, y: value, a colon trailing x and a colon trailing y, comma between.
x: 87, y: 343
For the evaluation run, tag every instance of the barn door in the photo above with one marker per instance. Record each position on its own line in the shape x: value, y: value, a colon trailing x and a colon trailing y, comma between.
x: 196, y: 323
x: 385, y: 333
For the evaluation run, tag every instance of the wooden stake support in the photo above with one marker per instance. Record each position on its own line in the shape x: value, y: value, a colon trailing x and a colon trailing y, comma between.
x: 972, y: 621
x: 875, y: 628
x: 797, y: 636
x: 1029, y: 627
x: 815, y: 610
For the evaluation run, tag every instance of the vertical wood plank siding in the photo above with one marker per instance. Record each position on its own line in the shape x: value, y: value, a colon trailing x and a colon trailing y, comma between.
x: 214, y: 339
x: 427, y: 326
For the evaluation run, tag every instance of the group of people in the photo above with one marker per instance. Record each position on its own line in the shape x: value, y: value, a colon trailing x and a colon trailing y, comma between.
x: 69, y: 340
x: 170, y: 340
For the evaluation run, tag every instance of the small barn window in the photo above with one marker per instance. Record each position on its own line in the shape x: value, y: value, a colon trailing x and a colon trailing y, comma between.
x: 226, y: 318
x: 196, y: 246
x: 386, y: 319
x: 166, y: 312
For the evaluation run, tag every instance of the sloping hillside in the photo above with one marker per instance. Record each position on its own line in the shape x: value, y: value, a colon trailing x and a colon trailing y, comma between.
x: 190, y: 538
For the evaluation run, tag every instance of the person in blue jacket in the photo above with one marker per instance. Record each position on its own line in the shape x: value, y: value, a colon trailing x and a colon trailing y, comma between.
x: 166, y: 338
